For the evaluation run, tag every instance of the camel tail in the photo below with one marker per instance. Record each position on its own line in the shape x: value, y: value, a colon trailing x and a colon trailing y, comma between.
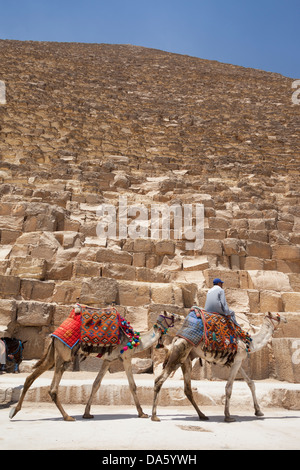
x: 48, y: 355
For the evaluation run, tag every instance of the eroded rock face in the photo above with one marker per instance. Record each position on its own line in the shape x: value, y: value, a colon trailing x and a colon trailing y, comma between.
x: 84, y: 124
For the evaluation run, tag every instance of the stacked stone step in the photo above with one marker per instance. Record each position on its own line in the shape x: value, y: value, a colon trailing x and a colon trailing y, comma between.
x: 86, y: 124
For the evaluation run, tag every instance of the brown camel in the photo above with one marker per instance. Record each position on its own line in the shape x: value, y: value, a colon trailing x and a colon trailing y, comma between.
x: 182, y: 352
x: 58, y: 355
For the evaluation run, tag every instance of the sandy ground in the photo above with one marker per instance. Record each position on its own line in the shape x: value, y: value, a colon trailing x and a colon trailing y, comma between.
x: 40, y: 427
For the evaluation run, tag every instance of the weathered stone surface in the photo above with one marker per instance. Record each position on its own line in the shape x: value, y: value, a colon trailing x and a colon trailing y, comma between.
x: 152, y: 141
x: 34, y: 313
x: 99, y: 291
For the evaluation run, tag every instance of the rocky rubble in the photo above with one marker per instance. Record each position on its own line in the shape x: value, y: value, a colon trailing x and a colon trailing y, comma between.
x: 85, y: 124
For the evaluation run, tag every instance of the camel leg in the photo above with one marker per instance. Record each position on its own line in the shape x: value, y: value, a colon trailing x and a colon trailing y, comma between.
x: 60, y: 365
x: 187, y: 371
x: 251, y: 385
x: 228, y: 389
x: 95, y: 387
x: 159, y: 381
x: 46, y: 363
x: 132, y: 387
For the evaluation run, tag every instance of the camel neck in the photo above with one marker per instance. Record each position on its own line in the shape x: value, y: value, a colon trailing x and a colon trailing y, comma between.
x: 148, y: 339
x: 261, y: 338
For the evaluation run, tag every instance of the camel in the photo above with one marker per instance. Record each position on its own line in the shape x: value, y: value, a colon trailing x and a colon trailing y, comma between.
x: 181, y: 353
x: 58, y: 355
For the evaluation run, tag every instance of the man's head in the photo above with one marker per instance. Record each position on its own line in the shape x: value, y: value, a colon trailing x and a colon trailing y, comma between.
x: 218, y: 282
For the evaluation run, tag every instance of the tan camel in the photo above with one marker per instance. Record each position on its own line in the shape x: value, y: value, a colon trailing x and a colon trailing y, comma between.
x: 182, y: 352
x: 58, y: 355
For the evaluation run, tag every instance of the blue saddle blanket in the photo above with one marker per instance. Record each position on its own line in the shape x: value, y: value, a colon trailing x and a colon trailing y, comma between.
x: 192, y: 329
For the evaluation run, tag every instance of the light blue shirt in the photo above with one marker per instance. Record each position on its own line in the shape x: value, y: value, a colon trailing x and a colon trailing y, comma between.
x: 216, y: 302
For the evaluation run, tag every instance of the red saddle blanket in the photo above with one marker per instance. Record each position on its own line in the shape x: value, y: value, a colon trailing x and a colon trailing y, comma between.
x: 69, y: 331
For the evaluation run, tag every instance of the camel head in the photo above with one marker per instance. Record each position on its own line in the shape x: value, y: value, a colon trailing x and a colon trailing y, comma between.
x: 168, y: 320
x: 164, y: 322
x: 275, y: 319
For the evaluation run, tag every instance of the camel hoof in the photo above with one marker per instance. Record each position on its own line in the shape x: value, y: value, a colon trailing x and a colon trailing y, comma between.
x: 259, y: 413
x: 203, y: 418
x: 229, y: 419
x: 88, y: 416
x: 69, y: 418
x: 13, y: 412
x: 155, y: 418
x: 144, y: 415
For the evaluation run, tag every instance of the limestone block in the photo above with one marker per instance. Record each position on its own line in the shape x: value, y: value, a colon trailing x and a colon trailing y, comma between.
x: 9, y: 285
x: 212, y: 247
x: 105, y: 255
x: 189, y: 294
x: 134, y: 294
x: 237, y: 300
x: 36, y: 340
x: 286, y: 252
x: 33, y: 313
x: 5, y: 251
x: 8, y: 309
x: 286, y: 352
x: 268, y: 280
x: 258, y: 365
x: 61, y: 312
x: 28, y: 267
x: 9, y: 236
x: 254, y: 302
x: 139, y: 260
x: 270, y: 301
x: 59, y: 270
x: 11, y: 223
x: 233, y: 246
x: 36, y: 290
x: 219, y: 223
x: 230, y: 278
x: 100, y: 291
x: 162, y: 294
x: 257, y: 224
x: 86, y: 269
x: 121, y: 181
x: 165, y: 247
x: 142, y: 245
x: 149, y: 275
x: 171, y: 264
x: 43, y: 217
x: 294, y: 281
x: 119, y: 271
x: 291, y: 301
x: 195, y: 263
x: 258, y: 249
x: 138, y: 317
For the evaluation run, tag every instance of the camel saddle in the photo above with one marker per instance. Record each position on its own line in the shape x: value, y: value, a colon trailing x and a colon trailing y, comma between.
x: 99, y: 326
x: 97, y: 329
x: 219, y: 334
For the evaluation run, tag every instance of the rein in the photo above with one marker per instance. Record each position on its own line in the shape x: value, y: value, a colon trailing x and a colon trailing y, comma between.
x: 277, y: 319
x: 169, y: 322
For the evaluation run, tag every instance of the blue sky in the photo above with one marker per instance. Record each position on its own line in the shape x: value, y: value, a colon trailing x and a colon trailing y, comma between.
x: 262, y: 34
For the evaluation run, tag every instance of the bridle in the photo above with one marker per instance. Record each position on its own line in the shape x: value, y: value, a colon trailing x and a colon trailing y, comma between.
x: 272, y: 320
x: 164, y: 323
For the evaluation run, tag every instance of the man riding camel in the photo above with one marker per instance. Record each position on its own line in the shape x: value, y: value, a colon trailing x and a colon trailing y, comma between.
x: 216, y: 301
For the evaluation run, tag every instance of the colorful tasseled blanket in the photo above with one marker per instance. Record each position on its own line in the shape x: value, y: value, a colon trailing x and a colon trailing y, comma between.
x: 95, y: 327
x: 100, y: 326
x: 219, y: 334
